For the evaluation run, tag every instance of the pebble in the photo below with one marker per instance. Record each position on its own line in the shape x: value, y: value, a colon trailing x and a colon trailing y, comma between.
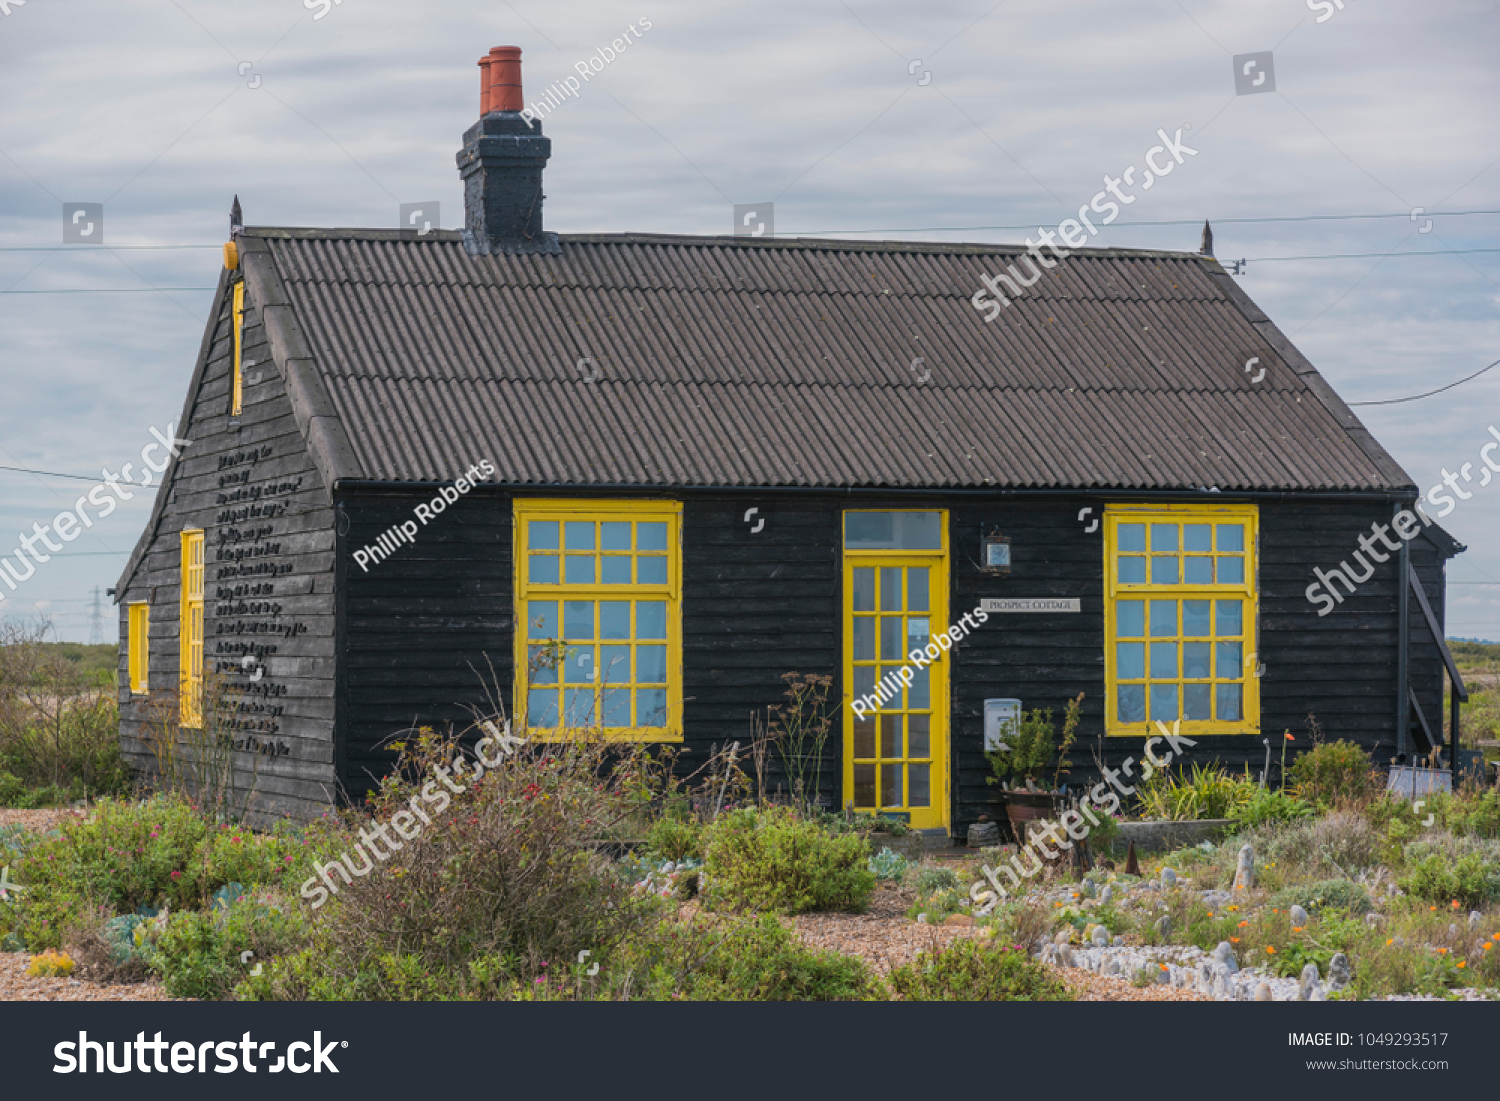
x: 1338, y: 972
x: 1168, y: 879
x: 1101, y: 937
x: 1298, y: 915
x: 1307, y: 982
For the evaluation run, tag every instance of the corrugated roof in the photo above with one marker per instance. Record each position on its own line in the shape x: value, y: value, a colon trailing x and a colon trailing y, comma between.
x: 683, y: 361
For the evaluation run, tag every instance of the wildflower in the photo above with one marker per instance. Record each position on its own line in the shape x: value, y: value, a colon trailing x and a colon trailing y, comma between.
x: 1298, y: 928
x: 1242, y: 924
x: 1432, y: 908
x: 1270, y: 949
x: 1488, y: 946
x: 1455, y: 904
x: 1234, y: 940
x: 1289, y: 736
x: 1463, y: 963
x: 1234, y: 907
x: 1162, y: 966
x: 1442, y: 951
x: 1390, y: 942
x: 176, y: 875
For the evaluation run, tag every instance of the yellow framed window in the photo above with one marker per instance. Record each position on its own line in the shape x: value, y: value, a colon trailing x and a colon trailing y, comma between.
x: 599, y: 618
x: 237, y: 393
x: 139, y: 641
x: 190, y: 641
x: 1181, y: 614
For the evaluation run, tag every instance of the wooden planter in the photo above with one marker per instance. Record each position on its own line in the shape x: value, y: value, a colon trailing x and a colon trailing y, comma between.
x: 1027, y: 806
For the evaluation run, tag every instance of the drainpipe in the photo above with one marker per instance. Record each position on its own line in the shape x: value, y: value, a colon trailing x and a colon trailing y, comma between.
x: 1403, y: 651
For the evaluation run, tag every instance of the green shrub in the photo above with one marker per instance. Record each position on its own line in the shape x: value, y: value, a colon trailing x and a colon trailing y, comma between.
x: 929, y: 880
x: 12, y: 790
x: 1335, y: 894
x: 969, y: 970
x: 675, y: 840
x: 1334, y: 771
x: 774, y: 860
x: 1207, y: 792
x: 199, y: 954
x: 1467, y: 879
x: 763, y: 961
x: 1266, y: 806
x: 1029, y: 750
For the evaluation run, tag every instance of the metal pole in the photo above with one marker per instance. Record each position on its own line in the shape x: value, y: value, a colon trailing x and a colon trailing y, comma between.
x: 1403, y: 653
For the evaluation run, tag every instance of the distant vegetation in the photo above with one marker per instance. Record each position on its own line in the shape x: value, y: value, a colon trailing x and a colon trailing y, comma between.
x: 97, y: 664
x: 1474, y: 655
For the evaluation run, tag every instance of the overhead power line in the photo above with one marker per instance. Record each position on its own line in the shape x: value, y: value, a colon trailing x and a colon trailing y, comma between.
x: 1175, y: 222
x: 1429, y: 393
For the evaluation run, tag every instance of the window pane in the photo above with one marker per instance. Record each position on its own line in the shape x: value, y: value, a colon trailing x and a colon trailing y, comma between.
x: 1197, y: 701
x: 1132, y: 703
x: 864, y: 680
x: 918, y: 633
x: 919, y: 735
x: 541, y: 617
x: 617, y: 707
x: 919, y: 695
x: 890, y: 589
x: 1130, y: 660
x: 864, y: 589
x: 1195, y: 660
x: 1231, y: 537
x: 1132, y: 570
x: 614, y: 664
x: 614, y: 535
x: 891, y: 638
x: 1232, y: 570
x: 541, y: 667
x: 543, y: 569
x: 1163, y: 660
x: 578, y: 619
x: 1164, y: 537
x: 651, y: 707
x: 864, y: 638
x: 1163, y: 617
x: 864, y: 738
x: 616, y: 569
x: 864, y: 785
x: 1229, y: 617
x: 1164, y: 570
x: 1198, y: 571
x: 1163, y: 702
x: 651, y: 665
x: 1229, y: 702
x: 888, y: 674
x: 580, y: 706
x: 614, y: 619
x: 893, y: 531
x: 542, y: 535
x: 916, y: 589
x: 580, y: 569
x: 651, y: 569
x: 1130, y: 618
x: 1230, y: 661
x: 1131, y: 537
x: 578, y: 666
x: 650, y: 619
x: 579, y: 535
x: 890, y: 735
x: 651, y: 536
x: 541, y: 707
x: 920, y: 794
x: 890, y: 786
x: 1197, y: 537
x: 1197, y: 622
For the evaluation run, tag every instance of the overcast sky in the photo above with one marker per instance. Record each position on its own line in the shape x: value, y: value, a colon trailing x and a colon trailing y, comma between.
x: 948, y: 120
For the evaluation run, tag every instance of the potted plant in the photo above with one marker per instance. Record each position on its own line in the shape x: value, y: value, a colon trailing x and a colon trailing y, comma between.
x: 1021, y: 765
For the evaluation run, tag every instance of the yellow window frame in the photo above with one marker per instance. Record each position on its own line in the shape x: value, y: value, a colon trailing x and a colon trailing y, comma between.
x: 1147, y: 582
x: 139, y: 641
x: 590, y: 652
x: 237, y: 392
x: 190, y: 630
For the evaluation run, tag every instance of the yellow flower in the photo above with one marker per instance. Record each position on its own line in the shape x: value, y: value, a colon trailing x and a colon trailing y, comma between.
x: 1390, y: 942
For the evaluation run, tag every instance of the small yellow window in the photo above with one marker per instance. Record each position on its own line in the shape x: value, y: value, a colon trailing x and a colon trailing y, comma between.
x: 237, y: 401
x: 190, y: 642
x: 1180, y: 618
x: 598, y: 618
x: 140, y: 646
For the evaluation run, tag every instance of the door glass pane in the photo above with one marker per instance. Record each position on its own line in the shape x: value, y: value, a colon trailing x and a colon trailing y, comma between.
x: 1163, y: 617
x: 1196, y: 701
x: 542, y: 535
x: 864, y: 680
x: 888, y: 673
x: 1131, y: 537
x: 890, y: 638
x: 1130, y: 660
x: 916, y: 589
x: 890, y: 786
x: 893, y: 531
x: 890, y: 735
x: 864, y: 589
x: 1163, y: 660
x: 920, y: 794
x: 919, y: 735
x: 864, y: 738
x: 919, y: 695
x: 864, y: 785
x: 890, y: 589
x: 1130, y: 618
x: 651, y: 536
x: 918, y: 633
x: 864, y: 638
x: 579, y: 534
x: 614, y: 535
x: 614, y: 619
x: 1195, y: 660
x: 1132, y: 703
x: 1163, y: 702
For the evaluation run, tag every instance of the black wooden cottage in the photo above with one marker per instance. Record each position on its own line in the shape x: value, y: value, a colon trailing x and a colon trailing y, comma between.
x: 703, y: 462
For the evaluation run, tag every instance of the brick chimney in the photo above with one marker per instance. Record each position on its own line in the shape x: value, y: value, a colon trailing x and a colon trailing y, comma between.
x: 501, y: 164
